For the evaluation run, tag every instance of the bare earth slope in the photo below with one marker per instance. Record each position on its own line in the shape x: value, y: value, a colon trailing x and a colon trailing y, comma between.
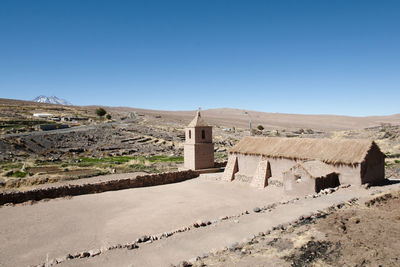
x: 227, y: 117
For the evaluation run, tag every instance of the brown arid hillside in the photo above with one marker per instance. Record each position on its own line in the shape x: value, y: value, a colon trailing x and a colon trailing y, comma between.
x: 229, y: 117
x: 137, y: 140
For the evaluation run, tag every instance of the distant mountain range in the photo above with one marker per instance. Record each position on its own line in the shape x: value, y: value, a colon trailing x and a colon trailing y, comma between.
x: 51, y: 100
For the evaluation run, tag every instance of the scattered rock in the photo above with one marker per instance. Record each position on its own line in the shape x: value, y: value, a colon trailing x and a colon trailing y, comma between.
x: 200, y: 223
x: 184, y: 264
x: 62, y: 259
x: 51, y: 262
x: 233, y: 246
x: 244, y: 251
x: 284, y: 226
x: 132, y: 246
x: 76, y: 255
x: 355, y: 220
x: 85, y: 254
x: 366, y: 186
x: 143, y: 239
x: 340, y: 205
x: 94, y: 252
x: 256, y: 209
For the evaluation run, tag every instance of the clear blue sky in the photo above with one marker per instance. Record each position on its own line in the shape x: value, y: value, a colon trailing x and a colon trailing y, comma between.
x: 310, y: 57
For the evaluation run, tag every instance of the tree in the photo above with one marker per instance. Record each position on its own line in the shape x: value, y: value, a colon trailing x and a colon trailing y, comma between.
x: 108, y: 117
x: 101, y: 112
x: 260, y: 127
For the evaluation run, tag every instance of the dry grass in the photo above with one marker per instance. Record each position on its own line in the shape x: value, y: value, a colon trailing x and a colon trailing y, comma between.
x: 333, y: 151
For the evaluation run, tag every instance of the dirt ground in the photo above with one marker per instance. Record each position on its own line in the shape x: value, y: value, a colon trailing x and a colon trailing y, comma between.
x: 28, y: 233
x: 364, y: 234
x: 49, y: 231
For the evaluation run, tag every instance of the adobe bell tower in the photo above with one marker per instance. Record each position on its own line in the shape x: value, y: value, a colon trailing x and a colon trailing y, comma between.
x: 198, y: 148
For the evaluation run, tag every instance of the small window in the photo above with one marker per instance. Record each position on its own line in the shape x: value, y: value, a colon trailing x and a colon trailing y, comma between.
x: 203, y: 134
x: 190, y: 134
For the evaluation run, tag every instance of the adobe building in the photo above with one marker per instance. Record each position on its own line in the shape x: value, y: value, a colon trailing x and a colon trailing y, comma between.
x: 198, y: 148
x: 310, y: 177
x: 356, y: 161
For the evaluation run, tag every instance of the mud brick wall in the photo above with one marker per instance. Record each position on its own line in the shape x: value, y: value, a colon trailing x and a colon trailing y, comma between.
x: 75, y: 190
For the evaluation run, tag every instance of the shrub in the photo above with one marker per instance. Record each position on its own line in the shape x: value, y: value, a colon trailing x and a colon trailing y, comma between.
x: 101, y: 112
x: 166, y: 159
x: 144, y: 168
x: 108, y: 117
x: 17, y: 174
x: 260, y: 127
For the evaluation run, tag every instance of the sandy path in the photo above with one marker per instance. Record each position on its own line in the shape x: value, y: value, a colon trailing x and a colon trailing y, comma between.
x: 195, y: 242
x: 57, y: 227
x: 29, y: 233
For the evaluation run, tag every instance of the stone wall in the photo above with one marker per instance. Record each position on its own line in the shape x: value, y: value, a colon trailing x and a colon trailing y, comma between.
x: 75, y: 190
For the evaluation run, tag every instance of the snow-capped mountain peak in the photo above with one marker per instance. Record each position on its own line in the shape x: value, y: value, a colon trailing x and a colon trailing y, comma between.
x: 51, y: 100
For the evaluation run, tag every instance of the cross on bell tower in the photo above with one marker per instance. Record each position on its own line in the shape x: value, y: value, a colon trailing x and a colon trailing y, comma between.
x: 198, y: 148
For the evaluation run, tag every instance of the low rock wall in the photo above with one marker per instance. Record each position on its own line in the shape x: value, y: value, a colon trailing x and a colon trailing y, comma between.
x: 75, y: 190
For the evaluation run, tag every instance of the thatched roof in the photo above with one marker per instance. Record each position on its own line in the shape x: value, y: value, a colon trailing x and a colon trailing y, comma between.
x: 197, y: 121
x: 314, y: 168
x: 334, y: 151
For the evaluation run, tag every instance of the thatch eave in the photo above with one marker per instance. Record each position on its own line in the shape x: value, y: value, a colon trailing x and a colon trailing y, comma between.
x: 351, y: 152
x: 353, y: 164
